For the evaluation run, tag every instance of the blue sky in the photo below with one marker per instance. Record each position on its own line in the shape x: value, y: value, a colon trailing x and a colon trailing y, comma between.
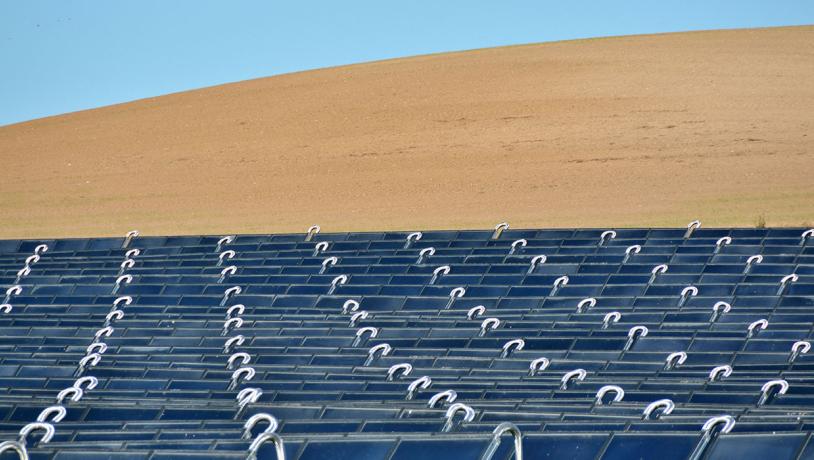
x: 63, y: 55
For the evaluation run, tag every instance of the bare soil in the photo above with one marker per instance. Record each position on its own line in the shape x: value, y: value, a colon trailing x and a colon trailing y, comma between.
x: 616, y: 132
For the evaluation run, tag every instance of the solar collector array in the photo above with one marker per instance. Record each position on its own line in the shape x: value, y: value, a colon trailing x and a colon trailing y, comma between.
x: 164, y: 388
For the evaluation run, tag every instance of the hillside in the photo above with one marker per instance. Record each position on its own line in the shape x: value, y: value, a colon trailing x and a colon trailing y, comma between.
x: 626, y: 131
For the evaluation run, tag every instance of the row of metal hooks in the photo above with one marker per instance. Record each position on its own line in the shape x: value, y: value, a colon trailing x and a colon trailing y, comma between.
x: 17, y: 289
x: 240, y: 361
x: 54, y: 414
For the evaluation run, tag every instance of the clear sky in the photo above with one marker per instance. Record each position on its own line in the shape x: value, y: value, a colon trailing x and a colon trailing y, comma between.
x: 65, y: 55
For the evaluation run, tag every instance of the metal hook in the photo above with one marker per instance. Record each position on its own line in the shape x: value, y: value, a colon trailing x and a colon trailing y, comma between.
x: 86, y: 383
x: 725, y: 370
x: 656, y: 271
x: 666, y: 406
x: 576, y: 374
x: 126, y: 279
x: 686, y: 293
x: 36, y: 426
x: 89, y: 361
x: 405, y: 369
x: 230, y: 343
x: 22, y: 273
x: 618, y: 395
x: 716, y: 310
x: 238, y: 307
x: 132, y: 253
x: 727, y: 420
x: 521, y: 242
x: 327, y: 263
x: 606, y: 236
x: 475, y: 312
x: 41, y: 249
x: 226, y: 272
x: 723, y: 241
x: 245, y: 397
x: 231, y: 323
x: 487, y: 325
x: 130, y: 236
x: 243, y: 373
x: 511, y: 346
x: 756, y: 259
x: 800, y: 347
x: 349, y: 306
x: 31, y: 260
x: 58, y: 413
x: 103, y: 332
x: 113, y: 315
x: 12, y: 291
x: 373, y: 333
x: 421, y: 382
x: 539, y: 364
x: 424, y: 253
x: 455, y: 293
x: 438, y: 272
x: 558, y: 283
x: 691, y: 227
x: 125, y: 298
x: 229, y: 239
x: 75, y: 394
x: 312, y: 231
x: 805, y: 236
x: 384, y: 348
x: 338, y: 281
x: 257, y: 418
x: 225, y: 255
x: 590, y: 302
x: 356, y: 317
x: 612, y: 317
x: 469, y: 415
x: 755, y: 327
x: 766, y: 390
x: 96, y: 347
x: 447, y: 396
x: 126, y: 265
x: 786, y: 281
x: 535, y: 261
x: 258, y: 442
x: 244, y: 358
x: 631, y: 251
x: 20, y: 449
x: 411, y: 238
x: 319, y: 248
x: 229, y: 293
x: 499, y: 229
x: 248, y: 396
x: 674, y: 360
x: 633, y: 334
